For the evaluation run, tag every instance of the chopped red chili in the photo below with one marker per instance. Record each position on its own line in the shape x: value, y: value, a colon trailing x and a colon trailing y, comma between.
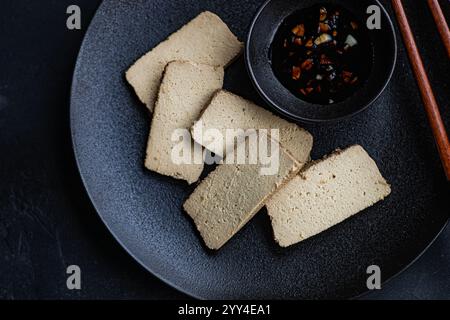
x: 322, y: 54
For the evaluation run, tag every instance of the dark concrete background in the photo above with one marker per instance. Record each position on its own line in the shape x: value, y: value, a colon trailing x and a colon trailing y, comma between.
x: 46, y: 219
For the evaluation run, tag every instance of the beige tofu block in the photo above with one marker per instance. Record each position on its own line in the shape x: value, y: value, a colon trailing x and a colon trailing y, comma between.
x: 185, y: 89
x: 229, y: 111
x: 205, y: 39
x: 231, y: 195
x: 325, y: 193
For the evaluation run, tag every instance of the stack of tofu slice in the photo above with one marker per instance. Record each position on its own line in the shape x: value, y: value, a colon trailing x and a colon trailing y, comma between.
x: 181, y: 81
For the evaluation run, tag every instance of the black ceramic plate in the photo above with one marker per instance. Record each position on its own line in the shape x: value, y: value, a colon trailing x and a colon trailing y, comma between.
x: 143, y: 209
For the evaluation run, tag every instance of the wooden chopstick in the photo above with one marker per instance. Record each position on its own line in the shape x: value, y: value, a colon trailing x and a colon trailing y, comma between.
x: 441, y: 23
x: 431, y: 106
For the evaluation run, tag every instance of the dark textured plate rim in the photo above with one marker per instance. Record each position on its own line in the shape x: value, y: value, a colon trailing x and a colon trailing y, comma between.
x: 85, y: 184
x: 408, y: 265
x: 297, y: 118
x: 165, y: 278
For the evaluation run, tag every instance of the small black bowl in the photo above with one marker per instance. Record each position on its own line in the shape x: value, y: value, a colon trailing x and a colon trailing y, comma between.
x: 257, y: 56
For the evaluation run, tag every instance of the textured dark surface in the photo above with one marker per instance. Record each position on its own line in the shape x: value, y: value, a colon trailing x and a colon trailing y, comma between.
x: 143, y: 209
x: 47, y: 222
x: 46, y: 219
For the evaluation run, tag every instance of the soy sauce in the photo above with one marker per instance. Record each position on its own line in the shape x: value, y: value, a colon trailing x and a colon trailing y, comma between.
x: 322, y: 54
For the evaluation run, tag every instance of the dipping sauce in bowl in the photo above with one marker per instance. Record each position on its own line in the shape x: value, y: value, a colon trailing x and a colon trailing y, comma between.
x: 341, y: 73
x: 322, y: 54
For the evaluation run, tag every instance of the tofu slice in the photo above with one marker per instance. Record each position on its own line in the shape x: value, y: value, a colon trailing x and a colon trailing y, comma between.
x: 229, y: 111
x: 325, y: 193
x: 232, y: 194
x: 185, y: 89
x: 206, y: 39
